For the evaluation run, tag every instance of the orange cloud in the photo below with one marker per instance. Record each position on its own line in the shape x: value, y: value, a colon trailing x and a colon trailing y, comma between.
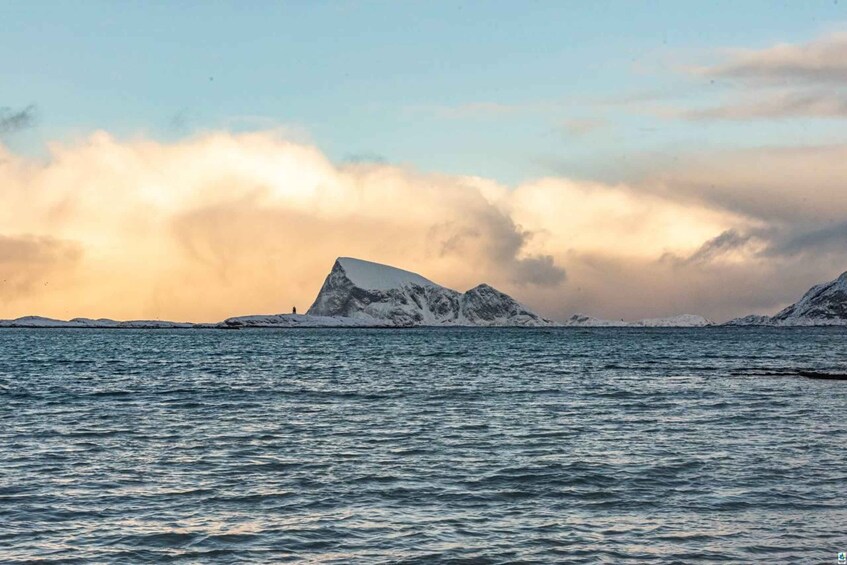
x: 224, y: 224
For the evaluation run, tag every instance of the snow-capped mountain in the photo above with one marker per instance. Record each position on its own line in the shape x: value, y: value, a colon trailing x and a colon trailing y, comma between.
x: 823, y: 305
x: 374, y: 293
x: 681, y: 321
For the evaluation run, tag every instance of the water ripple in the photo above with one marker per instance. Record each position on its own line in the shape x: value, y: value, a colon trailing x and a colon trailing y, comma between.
x: 420, y: 446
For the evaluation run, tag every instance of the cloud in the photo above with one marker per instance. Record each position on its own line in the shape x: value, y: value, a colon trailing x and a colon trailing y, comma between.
x: 224, y: 224
x: 365, y: 157
x: 632, y: 288
x: 716, y: 248
x: 806, y: 80
x: 29, y: 264
x: 789, y: 232
x: 776, y: 105
x: 488, y: 238
x: 823, y: 60
x: 819, y: 241
x: 798, y: 186
x: 12, y: 121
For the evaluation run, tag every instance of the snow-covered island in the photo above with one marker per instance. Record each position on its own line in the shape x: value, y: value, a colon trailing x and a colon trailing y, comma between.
x: 681, y: 321
x: 358, y: 293
x: 362, y: 293
x: 42, y: 322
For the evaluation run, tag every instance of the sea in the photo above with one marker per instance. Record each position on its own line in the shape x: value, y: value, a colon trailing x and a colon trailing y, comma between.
x: 557, y: 445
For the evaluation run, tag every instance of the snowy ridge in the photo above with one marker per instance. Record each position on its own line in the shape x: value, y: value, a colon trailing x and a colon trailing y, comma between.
x: 751, y: 320
x: 822, y: 305
x: 681, y: 321
x: 42, y: 322
x: 294, y: 321
x: 35, y: 322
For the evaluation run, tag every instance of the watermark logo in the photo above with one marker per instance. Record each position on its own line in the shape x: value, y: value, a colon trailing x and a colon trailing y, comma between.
x: 842, y: 558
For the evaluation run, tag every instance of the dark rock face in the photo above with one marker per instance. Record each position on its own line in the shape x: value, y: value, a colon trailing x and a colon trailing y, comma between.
x: 485, y: 305
x: 414, y: 303
x: 338, y: 295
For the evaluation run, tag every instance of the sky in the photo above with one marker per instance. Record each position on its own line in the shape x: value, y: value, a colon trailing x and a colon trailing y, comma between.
x: 198, y: 160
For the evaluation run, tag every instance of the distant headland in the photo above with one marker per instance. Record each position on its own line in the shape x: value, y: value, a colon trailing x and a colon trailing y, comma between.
x: 359, y: 293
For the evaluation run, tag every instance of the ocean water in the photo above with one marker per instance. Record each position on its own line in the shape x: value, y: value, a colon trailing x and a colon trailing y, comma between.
x: 422, y: 446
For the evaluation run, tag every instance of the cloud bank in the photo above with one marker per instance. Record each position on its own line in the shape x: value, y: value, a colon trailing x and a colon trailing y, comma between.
x: 226, y: 224
x: 819, y: 61
x: 805, y: 80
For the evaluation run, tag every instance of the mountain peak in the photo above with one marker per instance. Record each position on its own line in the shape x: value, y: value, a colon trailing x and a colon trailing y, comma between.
x: 824, y: 304
x: 378, y: 294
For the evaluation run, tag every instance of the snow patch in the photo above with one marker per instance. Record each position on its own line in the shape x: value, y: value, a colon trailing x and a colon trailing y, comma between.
x: 374, y: 276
